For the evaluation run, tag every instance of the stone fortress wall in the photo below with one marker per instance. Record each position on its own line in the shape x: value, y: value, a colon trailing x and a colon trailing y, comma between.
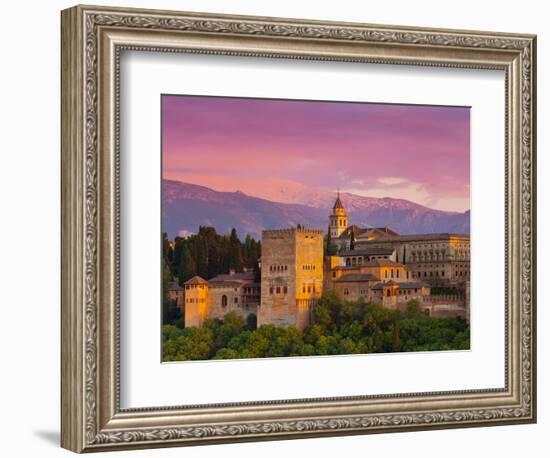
x: 371, y: 264
x: 292, y: 276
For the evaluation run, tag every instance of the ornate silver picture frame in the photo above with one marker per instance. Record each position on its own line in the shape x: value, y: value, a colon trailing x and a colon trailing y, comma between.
x: 93, y: 39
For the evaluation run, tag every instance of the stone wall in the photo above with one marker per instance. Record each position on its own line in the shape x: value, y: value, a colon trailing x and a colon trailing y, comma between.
x: 196, y: 305
x: 292, y: 276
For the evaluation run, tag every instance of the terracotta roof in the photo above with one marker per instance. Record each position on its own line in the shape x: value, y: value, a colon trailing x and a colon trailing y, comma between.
x: 381, y: 263
x: 370, y: 251
x: 381, y: 285
x: 347, y: 232
x: 365, y: 232
x: 413, y: 284
x: 405, y: 285
x: 234, y: 279
x: 226, y: 283
x: 421, y: 237
x: 196, y: 280
x: 237, y: 276
x: 348, y: 278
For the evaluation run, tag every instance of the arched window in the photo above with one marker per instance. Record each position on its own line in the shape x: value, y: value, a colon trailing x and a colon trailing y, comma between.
x: 388, y: 293
x: 224, y: 301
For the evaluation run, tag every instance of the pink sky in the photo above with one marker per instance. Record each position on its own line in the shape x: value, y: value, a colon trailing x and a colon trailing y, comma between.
x: 419, y: 153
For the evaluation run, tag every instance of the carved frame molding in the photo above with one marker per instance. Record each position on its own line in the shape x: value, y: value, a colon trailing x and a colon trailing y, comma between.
x: 92, y: 39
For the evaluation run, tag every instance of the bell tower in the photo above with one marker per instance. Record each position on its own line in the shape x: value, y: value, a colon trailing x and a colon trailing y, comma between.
x: 338, y: 220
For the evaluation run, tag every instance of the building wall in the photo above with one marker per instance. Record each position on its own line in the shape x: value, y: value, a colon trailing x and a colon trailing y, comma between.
x: 292, y: 276
x: 278, y: 285
x: 196, y: 307
x: 329, y: 272
x: 444, y: 261
x: 177, y: 296
x: 309, y: 273
x: 218, y: 307
x: 354, y: 291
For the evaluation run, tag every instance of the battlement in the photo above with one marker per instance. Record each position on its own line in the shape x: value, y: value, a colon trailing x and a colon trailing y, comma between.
x: 277, y: 233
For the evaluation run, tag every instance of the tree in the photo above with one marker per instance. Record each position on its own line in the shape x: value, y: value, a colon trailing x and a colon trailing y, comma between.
x: 337, y: 327
x: 187, y: 267
x: 167, y: 251
x: 235, y: 254
x: 413, y: 310
x: 251, y: 321
x: 170, y: 313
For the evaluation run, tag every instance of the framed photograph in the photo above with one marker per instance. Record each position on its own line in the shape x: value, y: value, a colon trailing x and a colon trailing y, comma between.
x: 278, y: 228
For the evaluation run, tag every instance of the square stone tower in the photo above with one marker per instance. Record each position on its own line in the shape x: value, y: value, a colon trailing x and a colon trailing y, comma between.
x: 196, y: 301
x: 292, y: 276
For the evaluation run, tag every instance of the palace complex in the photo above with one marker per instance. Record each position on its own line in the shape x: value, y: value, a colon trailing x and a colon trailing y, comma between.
x: 368, y: 264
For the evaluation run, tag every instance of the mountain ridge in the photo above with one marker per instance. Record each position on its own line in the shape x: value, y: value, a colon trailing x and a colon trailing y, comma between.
x: 187, y: 206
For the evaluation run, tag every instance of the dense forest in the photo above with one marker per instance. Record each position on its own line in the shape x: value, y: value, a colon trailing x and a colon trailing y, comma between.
x: 208, y: 254
x: 337, y: 327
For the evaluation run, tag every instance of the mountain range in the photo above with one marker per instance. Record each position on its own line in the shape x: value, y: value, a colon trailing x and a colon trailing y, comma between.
x: 187, y: 206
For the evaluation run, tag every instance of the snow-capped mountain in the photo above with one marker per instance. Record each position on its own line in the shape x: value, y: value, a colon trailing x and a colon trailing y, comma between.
x: 188, y: 206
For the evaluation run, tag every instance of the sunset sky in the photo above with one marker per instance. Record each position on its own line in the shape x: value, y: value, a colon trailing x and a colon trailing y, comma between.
x: 257, y: 146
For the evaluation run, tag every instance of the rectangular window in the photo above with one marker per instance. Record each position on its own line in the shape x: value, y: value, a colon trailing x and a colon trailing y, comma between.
x: 270, y: 290
x: 278, y: 290
x: 285, y: 290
